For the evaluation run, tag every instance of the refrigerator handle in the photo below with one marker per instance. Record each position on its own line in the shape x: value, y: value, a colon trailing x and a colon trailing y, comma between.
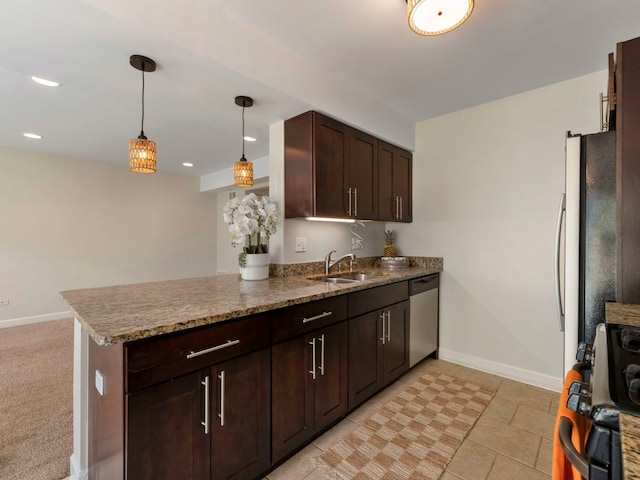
x: 559, y: 305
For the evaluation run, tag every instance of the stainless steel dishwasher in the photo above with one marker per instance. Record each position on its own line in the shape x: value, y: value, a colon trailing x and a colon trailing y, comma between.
x: 423, y: 323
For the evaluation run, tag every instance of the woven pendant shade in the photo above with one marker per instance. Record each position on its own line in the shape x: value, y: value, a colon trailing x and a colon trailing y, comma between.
x: 243, y: 173
x: 142, y: 155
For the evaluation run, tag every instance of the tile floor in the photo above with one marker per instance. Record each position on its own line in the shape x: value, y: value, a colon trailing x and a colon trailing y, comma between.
x: 511, y: 439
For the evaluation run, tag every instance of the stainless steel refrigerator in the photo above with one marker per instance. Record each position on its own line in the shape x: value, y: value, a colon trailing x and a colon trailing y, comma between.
x: 586, y: 238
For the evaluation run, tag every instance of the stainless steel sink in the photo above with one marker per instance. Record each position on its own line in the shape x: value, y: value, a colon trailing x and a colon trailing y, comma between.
x: 347, y: 277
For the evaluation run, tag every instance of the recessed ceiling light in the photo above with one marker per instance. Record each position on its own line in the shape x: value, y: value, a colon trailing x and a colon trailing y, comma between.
x: 45, y: 82
x: 32, y: 135
x: 187, y: 164
x: 249, y: 139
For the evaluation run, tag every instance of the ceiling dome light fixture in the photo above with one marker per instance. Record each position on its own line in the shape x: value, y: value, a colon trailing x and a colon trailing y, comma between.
x: 243, y: 170
x: 435, y: 17
x: 142, y: 151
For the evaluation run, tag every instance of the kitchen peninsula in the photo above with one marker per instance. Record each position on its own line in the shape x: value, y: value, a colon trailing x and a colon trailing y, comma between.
x: 216, y: 377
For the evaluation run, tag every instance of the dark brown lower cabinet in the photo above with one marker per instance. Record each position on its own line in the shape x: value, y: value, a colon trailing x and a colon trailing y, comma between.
x: 378, y: 350
x: 165, y: 438
x: 365, y: 357
x: 213, y: 424
x: 241, y: 420
x: 309, y: 386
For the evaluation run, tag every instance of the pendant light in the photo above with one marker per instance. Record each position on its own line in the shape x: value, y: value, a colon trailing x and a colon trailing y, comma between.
x: 435, y: 17
x: 142, y: 151
x: 243, y: 170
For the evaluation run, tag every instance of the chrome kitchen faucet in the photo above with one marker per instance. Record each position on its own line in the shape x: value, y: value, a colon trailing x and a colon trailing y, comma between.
x: 328, y: 263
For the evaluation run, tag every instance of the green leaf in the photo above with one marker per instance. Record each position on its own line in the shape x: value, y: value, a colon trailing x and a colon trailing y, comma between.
x: 242, y: 259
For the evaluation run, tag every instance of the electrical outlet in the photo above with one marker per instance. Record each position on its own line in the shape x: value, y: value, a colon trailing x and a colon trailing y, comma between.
x: 4, y: 301
x: 101, y: 386
x: 301, y: 244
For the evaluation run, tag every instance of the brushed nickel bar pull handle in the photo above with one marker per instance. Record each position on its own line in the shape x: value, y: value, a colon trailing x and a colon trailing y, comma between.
x: 229, y: 343
x: 322, y: 356
x: 401, y: 209
x: 221, y: 414
x: 317, y: 317
x: 205, y: 423
x: 396, y: 214
x: 313, y: 358
x: 355, y: 202
x: 383, y: 317
x: 349, y: 202
x: 389, y: 326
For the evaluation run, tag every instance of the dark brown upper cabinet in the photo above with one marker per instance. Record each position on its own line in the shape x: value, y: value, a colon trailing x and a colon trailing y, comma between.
x: 627, y: 95
x: 331, y: 170
x: 394, y: 183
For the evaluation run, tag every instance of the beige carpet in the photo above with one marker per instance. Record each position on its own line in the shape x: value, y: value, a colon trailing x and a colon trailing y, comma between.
x: 414, y: 435
x: 36, y: 369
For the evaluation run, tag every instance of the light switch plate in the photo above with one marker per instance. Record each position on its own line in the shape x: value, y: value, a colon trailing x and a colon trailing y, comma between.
x: 301, y: 244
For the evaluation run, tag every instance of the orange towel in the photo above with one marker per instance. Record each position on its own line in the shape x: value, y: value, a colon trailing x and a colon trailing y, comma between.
x: 561, y: 468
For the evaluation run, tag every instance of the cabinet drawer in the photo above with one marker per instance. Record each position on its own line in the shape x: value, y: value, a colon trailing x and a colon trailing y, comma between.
x: 306, y: 317
x: 158, y: 359
x: 374, y: 298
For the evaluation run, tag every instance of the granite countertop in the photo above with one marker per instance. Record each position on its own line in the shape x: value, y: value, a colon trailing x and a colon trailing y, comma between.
x: 624, y: 313
x: 627, y: 314
x: 126, y: 313
x: 630, y: 434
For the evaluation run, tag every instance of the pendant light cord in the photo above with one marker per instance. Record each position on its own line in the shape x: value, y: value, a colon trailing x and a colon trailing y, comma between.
x: 243, y: 103
x: 142, y: 121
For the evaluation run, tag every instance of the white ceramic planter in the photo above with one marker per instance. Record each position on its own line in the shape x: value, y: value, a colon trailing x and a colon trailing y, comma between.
x: 257, y: 267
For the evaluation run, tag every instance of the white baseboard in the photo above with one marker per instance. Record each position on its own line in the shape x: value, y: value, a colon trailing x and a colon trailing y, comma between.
x: 514, y: 373
x: 76, y: 471
x: 15, y: 322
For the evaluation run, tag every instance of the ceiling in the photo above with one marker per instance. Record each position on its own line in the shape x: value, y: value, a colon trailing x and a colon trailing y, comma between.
x: 356, y: 60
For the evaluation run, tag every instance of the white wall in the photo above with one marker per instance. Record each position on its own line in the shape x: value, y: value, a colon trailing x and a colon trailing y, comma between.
x: 322, y: 237
x: 487, y: 184
x: 69, y: 223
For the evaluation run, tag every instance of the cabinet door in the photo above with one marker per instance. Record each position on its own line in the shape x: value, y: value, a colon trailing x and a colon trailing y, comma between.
x: 330, y: 386
x: 386, y: 200
x: 240, y: 417
x: 291, y: 396
x: 394, y: 183
x: 402, y: 164
x: 365, y: 357
x: 396, y: 343
x: 309, y: 386
x: 362, y: 176
x: 165, y: 436
x: 331, y: 153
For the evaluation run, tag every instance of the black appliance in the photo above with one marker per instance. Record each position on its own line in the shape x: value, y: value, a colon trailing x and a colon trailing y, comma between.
x: 586, y: 238
x: 597, y: 275
x: 611, y: 385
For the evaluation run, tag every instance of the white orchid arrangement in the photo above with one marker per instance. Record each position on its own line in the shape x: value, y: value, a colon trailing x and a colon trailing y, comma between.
x: 252, y: 220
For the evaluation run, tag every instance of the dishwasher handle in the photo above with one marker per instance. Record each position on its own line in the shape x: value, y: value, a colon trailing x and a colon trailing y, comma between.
x: 422, y: 284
